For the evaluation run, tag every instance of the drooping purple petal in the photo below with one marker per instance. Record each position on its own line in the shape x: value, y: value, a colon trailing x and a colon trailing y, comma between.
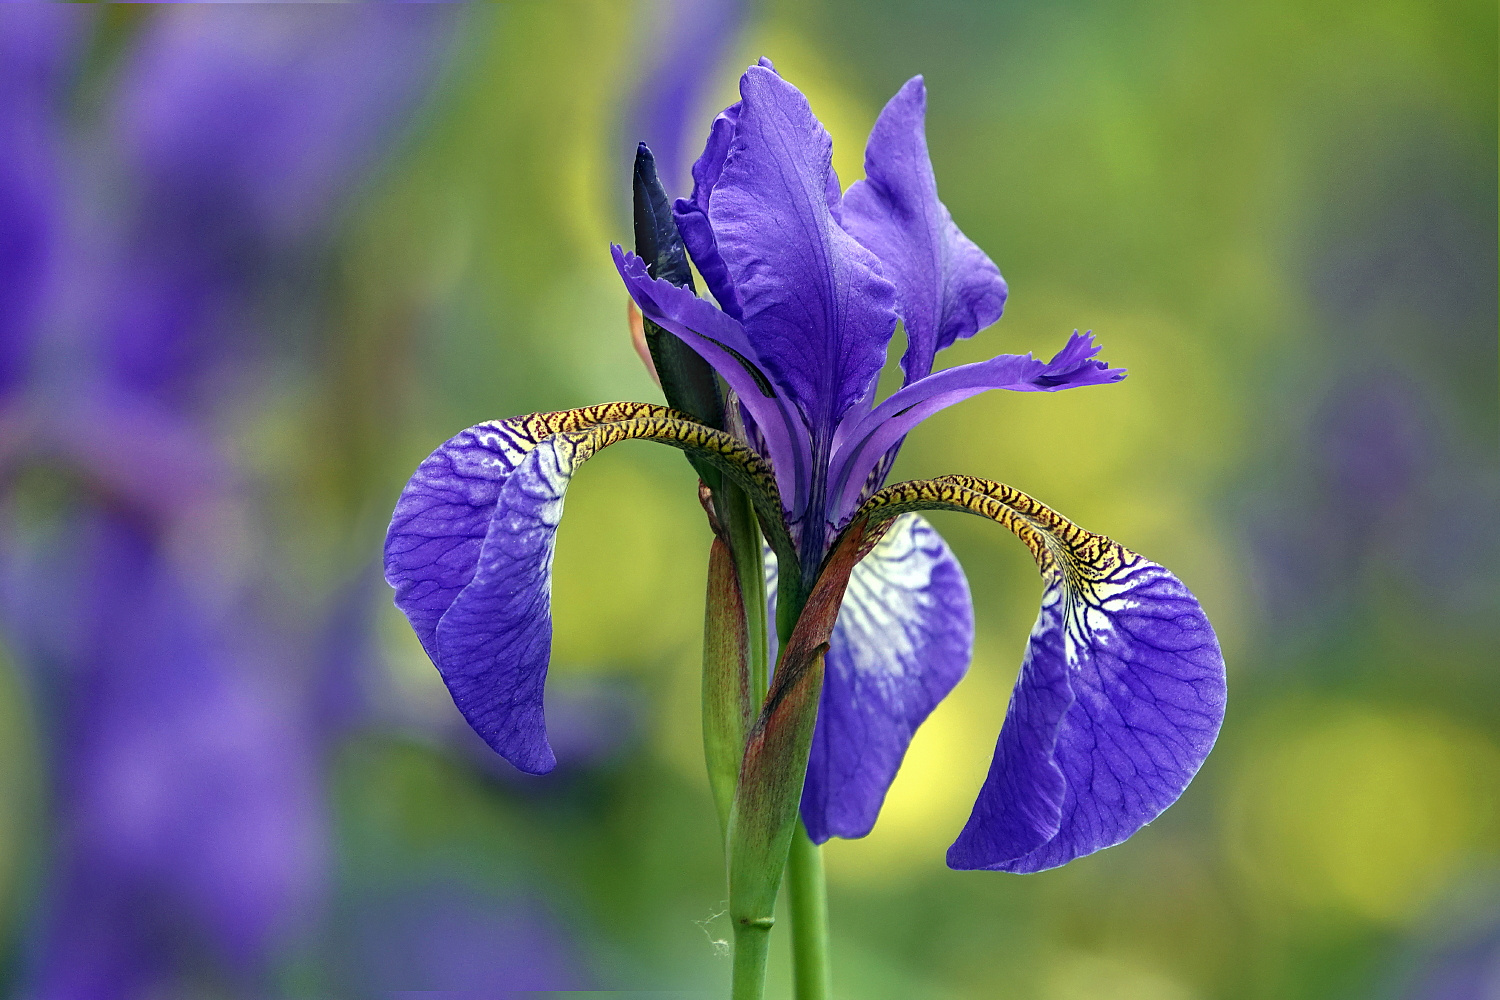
x: 877, y: 431
x: 722, y: 342
x: 946, y: 288
x: 495, y: 640
x: 1119, y: 700
x: 904, y: 637
x: 469, y: 553
x: 813, y: 301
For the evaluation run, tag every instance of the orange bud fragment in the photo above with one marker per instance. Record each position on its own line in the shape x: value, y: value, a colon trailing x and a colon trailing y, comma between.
x: 638, y: 338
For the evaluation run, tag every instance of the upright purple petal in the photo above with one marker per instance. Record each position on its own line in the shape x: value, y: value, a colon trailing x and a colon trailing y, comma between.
x: 946, y: 288
x: 691, y: 213
x: 903, y: 639
x: 814, y: 303
x: 1118, y: 702
x: 862, y: 447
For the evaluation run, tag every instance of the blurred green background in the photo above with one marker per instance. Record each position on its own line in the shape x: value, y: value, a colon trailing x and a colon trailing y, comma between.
x: 1281, y: 217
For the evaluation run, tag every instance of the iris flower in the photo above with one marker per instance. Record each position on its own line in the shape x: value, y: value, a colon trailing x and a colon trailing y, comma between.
x: 1121, y: 689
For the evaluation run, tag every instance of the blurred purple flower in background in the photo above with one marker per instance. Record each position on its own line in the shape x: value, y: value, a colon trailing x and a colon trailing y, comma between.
x: 34, y: 53
x: 448, y: 935
x: 241, y: 130
x: 1386, y: 484
x: 685, y: 44
x: 185, y: 768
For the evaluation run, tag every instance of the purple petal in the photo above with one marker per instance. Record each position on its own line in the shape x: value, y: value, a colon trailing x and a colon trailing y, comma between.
x: 813, y: 301
x: 470, y: 555
x: 876, y: 432
x: 692, y: 213
x: 1118, y: 702
x: 721, y: 341
x: 438, y: 529
x: 946, y: 288
x: 904, y: 637
x: 495, y: 641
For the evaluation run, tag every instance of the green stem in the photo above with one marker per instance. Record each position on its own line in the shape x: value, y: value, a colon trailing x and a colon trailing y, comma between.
x: 812, y: 972
x: 751, y: 943
x: 751, y: 940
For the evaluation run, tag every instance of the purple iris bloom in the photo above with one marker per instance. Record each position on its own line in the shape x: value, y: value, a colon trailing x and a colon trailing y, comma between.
x: 1121, y: 691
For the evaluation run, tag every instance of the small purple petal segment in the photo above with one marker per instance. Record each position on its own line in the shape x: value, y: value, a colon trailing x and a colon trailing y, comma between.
x: 813, y: 301
x: 946, y: 288
x: 877, y: 431
x: 722, y: 342
x: 438, y: 529
x: 1119, y: 700
x: 904, y: 637
x: 692, y: 213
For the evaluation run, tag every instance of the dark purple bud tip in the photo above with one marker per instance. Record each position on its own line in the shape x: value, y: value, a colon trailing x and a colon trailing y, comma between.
x: 686, y: 380
x: 656, y: 238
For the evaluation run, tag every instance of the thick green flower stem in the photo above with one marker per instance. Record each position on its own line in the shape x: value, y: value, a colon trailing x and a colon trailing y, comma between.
x: 751, y: 942
x: 752, y: 937
x: 812, y: 972
x: 808, y: 895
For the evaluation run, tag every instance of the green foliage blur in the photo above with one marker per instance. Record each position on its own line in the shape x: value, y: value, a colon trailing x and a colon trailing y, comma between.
x: 1259, y: 209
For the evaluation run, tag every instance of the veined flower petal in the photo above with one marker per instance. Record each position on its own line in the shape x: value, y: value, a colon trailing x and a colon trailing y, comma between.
x: 1118, y: 702
x: 814, y: 303
x: 904, y: 637
x: 946, y: 287
x: 470, y: 546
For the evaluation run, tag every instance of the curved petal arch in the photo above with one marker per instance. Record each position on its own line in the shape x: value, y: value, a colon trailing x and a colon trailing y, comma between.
x: 1118, y: 702
x: 470, y: 551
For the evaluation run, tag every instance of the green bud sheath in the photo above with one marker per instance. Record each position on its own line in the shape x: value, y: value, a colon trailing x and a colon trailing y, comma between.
x: 775, y: 762
x: 728, y: 706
